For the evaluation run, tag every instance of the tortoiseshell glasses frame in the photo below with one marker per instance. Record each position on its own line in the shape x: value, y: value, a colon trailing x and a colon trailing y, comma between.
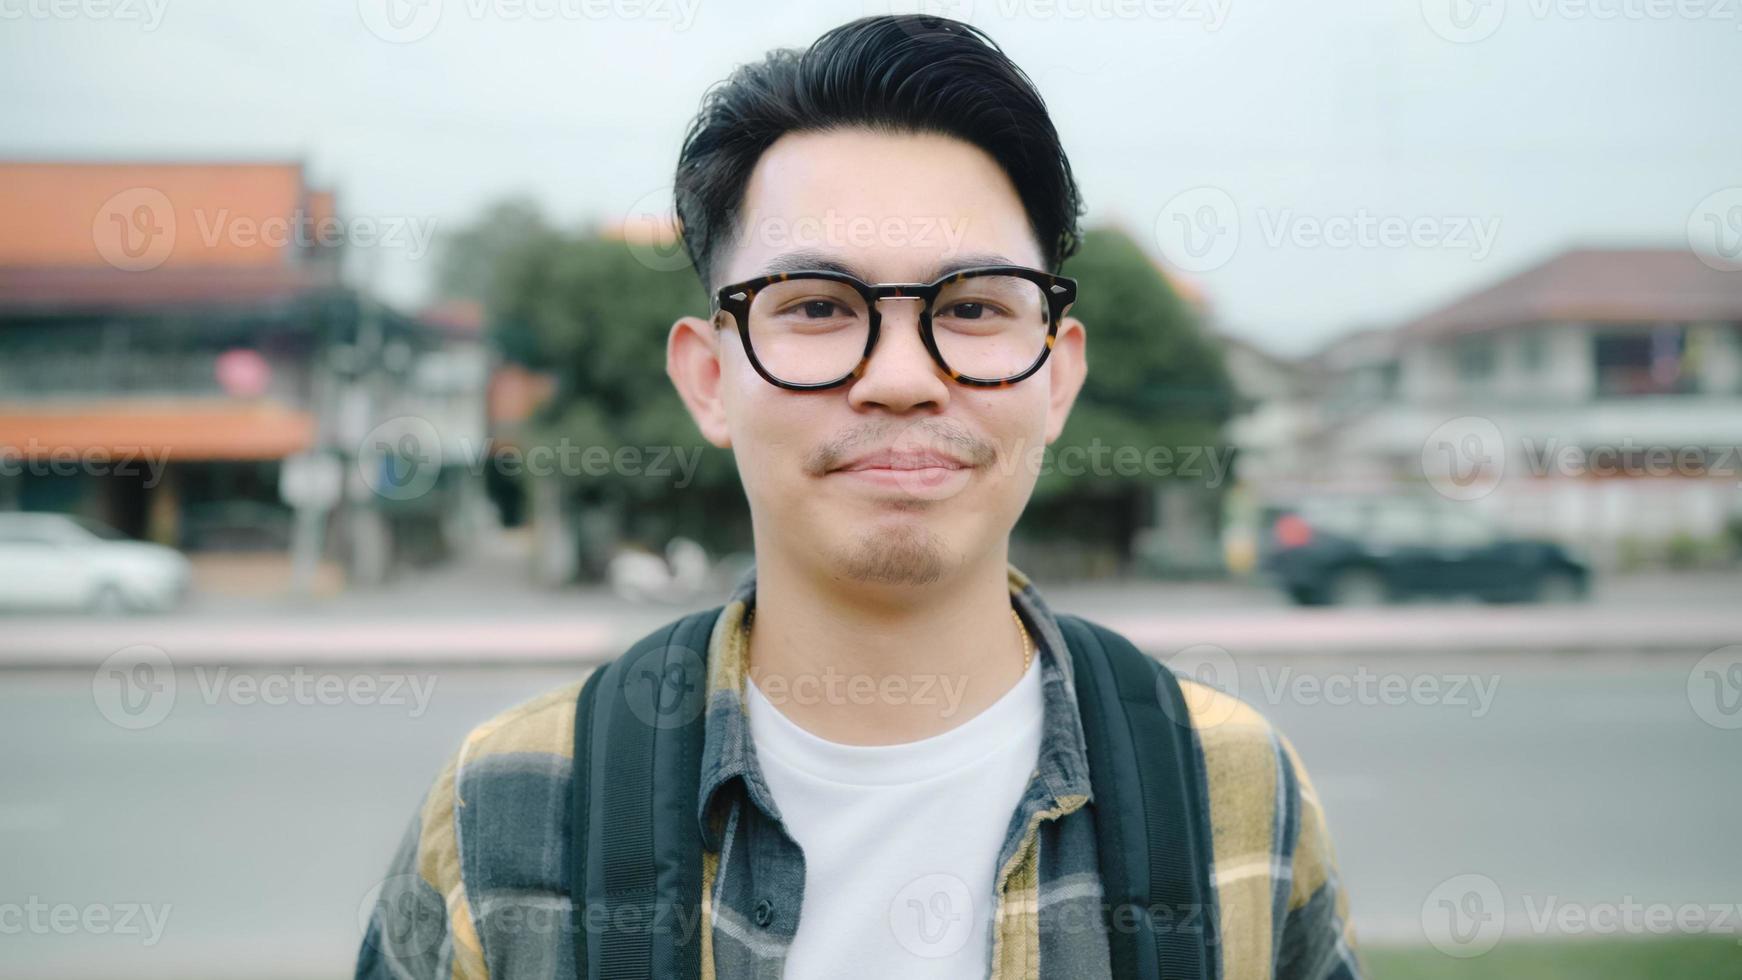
x: 735, y: 300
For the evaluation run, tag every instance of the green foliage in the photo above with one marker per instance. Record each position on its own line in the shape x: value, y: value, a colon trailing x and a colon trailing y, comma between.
x: 1155, y: 381
x: 1583, y: 958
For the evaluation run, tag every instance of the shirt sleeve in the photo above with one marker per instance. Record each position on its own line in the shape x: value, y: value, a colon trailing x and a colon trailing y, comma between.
x: 420, y: 925
x: 1317, y: 940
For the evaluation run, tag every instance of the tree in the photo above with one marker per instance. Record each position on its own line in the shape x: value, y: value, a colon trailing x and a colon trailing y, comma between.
x: 1157, y: 393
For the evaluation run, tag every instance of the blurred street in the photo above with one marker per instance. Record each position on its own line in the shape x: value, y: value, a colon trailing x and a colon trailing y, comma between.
x: 260, y: 828
x: 486, y: 611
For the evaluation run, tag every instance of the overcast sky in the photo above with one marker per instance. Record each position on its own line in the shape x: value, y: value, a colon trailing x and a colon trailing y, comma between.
x: 1320, y: 166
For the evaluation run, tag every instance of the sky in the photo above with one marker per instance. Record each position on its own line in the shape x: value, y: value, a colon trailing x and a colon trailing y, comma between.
x: 1314, y: 168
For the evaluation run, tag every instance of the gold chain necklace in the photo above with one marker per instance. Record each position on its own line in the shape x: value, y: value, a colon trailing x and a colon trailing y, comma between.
x: 1027, y: 644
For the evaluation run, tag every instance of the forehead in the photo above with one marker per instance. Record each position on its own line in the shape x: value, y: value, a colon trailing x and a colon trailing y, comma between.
x: 889, y: 207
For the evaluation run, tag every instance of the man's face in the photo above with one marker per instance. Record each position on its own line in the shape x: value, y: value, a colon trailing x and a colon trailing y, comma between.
x: 886, y: 208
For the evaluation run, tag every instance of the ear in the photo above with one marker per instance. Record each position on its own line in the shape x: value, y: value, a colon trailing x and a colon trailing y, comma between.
x: 1068, y: 368
x: 692, y: 362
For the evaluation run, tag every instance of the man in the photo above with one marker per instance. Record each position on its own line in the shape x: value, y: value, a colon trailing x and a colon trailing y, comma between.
x: 894, y: 780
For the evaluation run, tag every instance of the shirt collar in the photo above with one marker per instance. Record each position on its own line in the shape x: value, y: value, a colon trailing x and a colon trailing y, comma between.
x: 729, y: 754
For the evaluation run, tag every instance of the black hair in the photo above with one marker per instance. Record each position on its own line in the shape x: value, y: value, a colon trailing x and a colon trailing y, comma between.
x: 910, y: 73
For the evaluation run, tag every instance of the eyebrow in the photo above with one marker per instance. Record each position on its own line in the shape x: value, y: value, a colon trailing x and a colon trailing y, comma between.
x: 806, y: 260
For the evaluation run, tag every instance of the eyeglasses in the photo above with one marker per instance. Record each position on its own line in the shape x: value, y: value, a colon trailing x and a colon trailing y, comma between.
x: 989, y: 326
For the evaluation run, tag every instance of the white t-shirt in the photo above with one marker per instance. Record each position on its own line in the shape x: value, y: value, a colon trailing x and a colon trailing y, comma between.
x: 900, y: 841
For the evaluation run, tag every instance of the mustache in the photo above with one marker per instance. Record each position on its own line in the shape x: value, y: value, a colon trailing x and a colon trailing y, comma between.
x: 948, y: 436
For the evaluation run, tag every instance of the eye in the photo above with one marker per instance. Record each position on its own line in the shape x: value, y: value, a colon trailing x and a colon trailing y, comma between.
x: 969, y: 309
x: 820, y: 309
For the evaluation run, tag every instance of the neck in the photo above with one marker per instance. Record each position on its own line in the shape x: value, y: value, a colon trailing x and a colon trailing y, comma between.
x: 871, y: 664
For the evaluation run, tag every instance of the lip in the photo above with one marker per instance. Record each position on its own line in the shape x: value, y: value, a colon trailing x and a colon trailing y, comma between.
x: 899, y: 462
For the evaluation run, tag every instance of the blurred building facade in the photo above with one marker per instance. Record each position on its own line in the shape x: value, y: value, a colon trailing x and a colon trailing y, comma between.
x: 182, y: 357
x: 1595, y: 398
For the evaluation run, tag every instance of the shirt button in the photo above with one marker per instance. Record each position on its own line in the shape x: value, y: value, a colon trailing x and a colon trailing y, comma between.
x: 764, y: 912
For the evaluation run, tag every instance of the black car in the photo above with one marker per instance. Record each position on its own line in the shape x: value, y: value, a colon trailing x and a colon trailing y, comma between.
x: 1365, y: 551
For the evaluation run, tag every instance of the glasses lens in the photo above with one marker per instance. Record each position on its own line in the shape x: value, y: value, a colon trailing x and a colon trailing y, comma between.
x: 990, y: 327
x: 809, y: 331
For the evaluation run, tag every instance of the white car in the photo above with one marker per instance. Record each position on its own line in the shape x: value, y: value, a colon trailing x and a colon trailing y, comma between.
x: 58, y: 561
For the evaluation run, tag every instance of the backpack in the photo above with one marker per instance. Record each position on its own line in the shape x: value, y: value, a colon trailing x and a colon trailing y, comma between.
x: 635, y: 853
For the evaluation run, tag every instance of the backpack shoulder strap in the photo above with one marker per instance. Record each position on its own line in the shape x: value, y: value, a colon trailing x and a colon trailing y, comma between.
x: 1150, y: 808
x: 635, y: 848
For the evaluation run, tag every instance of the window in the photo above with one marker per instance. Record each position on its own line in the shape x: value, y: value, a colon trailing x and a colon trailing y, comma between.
x: 1475, y: 360
x: 1532, y: 352
x: 1644, y: 360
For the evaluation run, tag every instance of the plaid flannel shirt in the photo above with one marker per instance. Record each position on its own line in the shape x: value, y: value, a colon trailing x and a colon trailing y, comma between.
x: 480, y: 885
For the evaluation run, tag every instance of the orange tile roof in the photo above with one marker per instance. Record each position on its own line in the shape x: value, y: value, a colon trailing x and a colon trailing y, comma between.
x: 185, y: 430
x: 146, y: 215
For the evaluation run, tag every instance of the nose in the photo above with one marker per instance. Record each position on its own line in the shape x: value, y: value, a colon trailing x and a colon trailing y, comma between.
x: 901, y: 374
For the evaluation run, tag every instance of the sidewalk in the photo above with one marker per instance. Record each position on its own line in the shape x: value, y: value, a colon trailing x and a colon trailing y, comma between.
x: 589, y: 628
x: 486, y: 610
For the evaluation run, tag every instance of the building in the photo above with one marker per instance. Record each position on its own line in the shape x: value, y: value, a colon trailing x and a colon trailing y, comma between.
x: 181, y: 357
x: 1595, y: 398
